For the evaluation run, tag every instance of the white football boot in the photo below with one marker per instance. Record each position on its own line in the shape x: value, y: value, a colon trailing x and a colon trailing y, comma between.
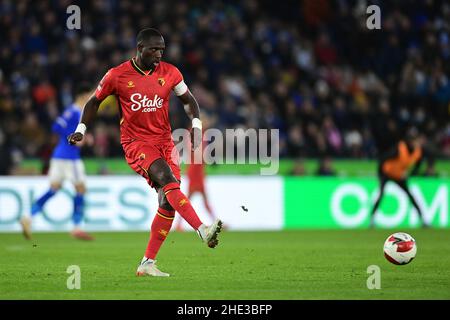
x: 209, y: 234
x: 149, y: 268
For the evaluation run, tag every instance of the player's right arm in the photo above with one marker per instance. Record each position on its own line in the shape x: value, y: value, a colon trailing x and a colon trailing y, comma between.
x: 105, y: 88
x: 87, y: 118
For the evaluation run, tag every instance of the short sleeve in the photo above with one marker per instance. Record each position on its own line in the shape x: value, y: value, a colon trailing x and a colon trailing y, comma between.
x: 106, y: 86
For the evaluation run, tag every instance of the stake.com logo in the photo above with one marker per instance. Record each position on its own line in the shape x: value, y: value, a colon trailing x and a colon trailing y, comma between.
x: 148, y: 105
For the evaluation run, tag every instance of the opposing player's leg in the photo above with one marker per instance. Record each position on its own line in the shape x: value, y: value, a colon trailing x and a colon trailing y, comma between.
x: 383, y: 181
x: 77, y: 176
x: 403, y: 184
x: 39, y: 203
x: 56, y: 176
x: 78, y: 204
x: 160, y: 173
x: 78, y: 212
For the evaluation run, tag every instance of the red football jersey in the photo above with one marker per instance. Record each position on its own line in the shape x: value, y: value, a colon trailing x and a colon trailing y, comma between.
x: 143, y: 99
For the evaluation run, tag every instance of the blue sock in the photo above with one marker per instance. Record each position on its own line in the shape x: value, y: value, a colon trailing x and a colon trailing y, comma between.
x: 78, y: 207
x: 37, y: 206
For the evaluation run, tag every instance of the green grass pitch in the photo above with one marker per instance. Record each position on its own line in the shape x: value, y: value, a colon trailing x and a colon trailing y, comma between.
x: 298, y: 264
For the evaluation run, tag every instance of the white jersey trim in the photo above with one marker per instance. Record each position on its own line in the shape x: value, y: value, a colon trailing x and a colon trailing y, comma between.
x: 180, y: 89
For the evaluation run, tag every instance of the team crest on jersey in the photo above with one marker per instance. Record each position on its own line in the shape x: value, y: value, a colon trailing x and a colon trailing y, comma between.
x: 161, y: 82
x: 142, y: 156
x: 130, y: 84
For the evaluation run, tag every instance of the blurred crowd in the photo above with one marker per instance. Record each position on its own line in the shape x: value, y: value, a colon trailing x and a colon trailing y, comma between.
x: 310, y: 68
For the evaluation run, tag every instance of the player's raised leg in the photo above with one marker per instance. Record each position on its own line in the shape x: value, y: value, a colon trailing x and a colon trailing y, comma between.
x: 161, y: 174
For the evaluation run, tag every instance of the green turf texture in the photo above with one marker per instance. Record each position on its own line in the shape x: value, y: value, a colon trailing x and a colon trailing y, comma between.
x: 297, y: 264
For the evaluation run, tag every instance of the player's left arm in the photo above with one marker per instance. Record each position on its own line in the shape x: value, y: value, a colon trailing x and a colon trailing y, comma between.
x: 193, y: 111
x: 191, y: 107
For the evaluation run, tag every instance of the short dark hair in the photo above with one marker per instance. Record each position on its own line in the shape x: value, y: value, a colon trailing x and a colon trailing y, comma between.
x: 146, y: 34
x: 82, y: 88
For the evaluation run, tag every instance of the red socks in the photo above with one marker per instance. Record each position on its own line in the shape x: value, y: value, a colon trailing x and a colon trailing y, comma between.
x: 160, y: 229
x: 163, y: 219
x: 181, y: 203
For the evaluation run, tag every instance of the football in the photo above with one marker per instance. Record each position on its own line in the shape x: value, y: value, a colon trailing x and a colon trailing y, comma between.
x: 400, y: 248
